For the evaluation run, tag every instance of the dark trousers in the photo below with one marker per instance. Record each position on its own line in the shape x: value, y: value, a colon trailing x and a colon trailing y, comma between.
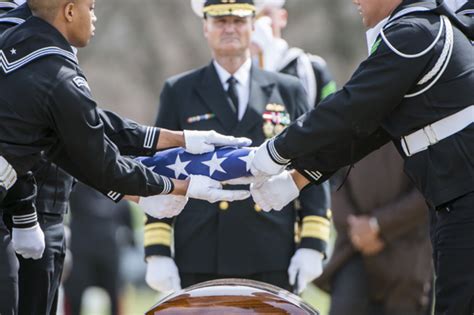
x: 452, y: 236
x: 277, y: 278
x: 350, y: 293
x: 39, y: 280
x: 93, y: 265
x: 8, y: 274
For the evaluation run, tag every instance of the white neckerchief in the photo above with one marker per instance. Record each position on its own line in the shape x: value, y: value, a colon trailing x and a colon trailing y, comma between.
x: 243, y: 83
x: 19, y: 2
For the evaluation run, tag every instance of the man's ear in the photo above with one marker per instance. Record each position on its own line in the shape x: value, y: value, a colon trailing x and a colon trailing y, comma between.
x: 69, y: 12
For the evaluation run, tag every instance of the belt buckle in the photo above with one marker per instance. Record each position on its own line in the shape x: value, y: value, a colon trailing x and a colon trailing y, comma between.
x: 430, y: 134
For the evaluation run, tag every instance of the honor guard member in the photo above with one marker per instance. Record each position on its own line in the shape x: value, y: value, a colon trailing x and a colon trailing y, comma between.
x: 55, y: 183
x: 235, y: 239
x: 274, y: 54
x: 52, y: 202
x: 415, y: 89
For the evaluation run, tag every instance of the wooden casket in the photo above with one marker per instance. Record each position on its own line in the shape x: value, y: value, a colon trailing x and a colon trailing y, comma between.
x: 232, y: 297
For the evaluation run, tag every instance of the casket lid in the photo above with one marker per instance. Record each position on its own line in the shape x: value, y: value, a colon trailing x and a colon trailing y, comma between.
x: 232, y: 296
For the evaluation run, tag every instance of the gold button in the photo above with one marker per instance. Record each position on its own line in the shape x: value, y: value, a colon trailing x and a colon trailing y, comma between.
x: 257, y: 208
x: 329, y: 214
x: 223, y: 205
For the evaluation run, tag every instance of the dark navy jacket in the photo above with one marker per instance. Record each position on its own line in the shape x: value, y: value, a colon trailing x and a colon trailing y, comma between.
x: 371, y: 109
x: 51, y: 95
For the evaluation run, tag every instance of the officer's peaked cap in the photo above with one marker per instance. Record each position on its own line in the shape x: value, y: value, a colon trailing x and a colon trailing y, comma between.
x: 240, y: 8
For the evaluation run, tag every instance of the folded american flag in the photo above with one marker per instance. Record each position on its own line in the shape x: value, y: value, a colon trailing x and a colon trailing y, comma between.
x: 224, y: 163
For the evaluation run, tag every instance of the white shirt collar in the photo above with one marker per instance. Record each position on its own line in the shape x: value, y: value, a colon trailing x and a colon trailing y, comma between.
x: 243, y: 83
x: 242, y: 75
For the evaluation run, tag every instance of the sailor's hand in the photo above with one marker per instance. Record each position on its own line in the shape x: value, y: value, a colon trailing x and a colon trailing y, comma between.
x: 205, y: 188
x: 198, y: 142
x: 163, y: 206
x: 305, y: 266
x: 162, y: 274
x: 264, y: 163
x: 28, y: 242
x: 275, y: 192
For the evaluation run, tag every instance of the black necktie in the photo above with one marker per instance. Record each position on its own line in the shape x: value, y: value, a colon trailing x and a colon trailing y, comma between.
x: 233, y: 96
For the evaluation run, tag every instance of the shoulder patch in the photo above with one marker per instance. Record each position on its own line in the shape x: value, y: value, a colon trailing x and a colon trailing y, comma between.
x: 80, y: 82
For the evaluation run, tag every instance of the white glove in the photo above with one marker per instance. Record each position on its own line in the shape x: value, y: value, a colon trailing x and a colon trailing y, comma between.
x: 163, y: 206
x: 205, y: 188
x: 305, y: 266
x: 275, y: 193
x: 198, y: 142
x: 7, y: 174
x: 162, y: 274
x: 28, y: 242
x: 263, y: 165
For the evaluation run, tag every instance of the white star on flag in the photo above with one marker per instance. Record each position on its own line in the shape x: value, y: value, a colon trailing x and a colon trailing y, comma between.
x: 215, y: 164
x: 248, y: 159
x: 13, y: 51
x: 179, y: 167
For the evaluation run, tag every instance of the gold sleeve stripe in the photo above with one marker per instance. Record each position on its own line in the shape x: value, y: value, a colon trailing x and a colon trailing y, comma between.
x: 157, y: 225
x: 316, y: 231
x: 316, y: 219
x: 157, y: 237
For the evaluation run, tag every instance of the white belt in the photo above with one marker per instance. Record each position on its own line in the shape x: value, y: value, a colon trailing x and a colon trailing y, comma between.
x: 420, y: 140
